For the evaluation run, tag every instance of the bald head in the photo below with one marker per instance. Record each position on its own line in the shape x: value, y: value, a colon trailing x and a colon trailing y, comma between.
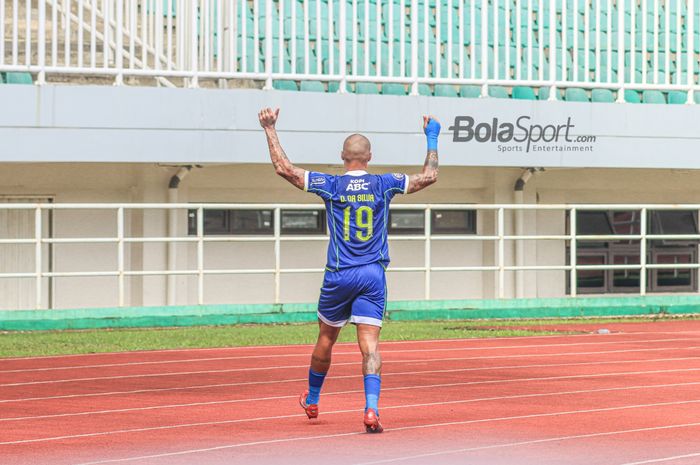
x: 356, y: 150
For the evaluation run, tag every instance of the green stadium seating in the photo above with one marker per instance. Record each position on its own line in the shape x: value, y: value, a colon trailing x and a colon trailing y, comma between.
x: 653, y: 96
x: 392, y: 88
x: 445, y: 90
x: 18, y: 78
x: 544, y: 94
x: 498, y: 92
x: 2, y: 78
x: 424, y: 89
x: 677, y: 98
x: 312, y: 86
x: 602, y: 96
x: 366, y: 88
x: 573, y: 94
x: 470, y: 91
x: 637, y: 49
x: 632, y: 96
x: 284, y: 85
x: 524, y: 93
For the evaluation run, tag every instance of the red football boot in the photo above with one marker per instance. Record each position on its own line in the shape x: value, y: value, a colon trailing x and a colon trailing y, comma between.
x: 310, y: 410
x: 372, y: 424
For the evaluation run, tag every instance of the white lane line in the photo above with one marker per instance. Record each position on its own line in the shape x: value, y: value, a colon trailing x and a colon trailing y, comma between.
x: 215, y: 385
x: 406, y: 428
x: 230, y: 401
x: 349, y: 344
x: 304, y: 354
x: 543, y: 441
x: 250, y: 420
x: 664, y: 459
x: 231, y: 370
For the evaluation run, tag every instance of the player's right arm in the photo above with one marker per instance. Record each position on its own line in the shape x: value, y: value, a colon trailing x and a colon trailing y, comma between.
x: 283, y: 166
x: 429, y: 175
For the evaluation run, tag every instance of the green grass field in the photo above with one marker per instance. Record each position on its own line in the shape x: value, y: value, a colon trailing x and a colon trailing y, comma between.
x: 20, y: 344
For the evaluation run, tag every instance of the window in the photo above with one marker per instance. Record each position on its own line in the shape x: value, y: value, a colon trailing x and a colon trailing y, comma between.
x: 233, y: 222
x: 303, y: 222
x: 626, y: 252
x: 406, y: 222
x: 454, y: 222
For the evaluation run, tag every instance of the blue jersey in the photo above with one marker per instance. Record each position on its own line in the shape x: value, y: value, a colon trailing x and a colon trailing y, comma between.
x: 357, y: 208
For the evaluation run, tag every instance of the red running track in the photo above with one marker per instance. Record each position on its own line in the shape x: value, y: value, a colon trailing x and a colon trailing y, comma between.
x: 629, y: 397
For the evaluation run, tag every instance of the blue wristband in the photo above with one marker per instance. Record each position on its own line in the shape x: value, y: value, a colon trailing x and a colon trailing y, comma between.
x: 432, y: 131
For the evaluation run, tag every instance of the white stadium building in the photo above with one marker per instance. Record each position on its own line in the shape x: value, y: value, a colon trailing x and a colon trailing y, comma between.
x: 134, y: 173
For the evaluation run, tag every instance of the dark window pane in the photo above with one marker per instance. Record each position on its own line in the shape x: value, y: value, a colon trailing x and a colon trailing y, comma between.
x: 625, y: 222
x: 673, y: 277
x: 587, y: 279
x: 406, y: 222
x: 303, y: 222
x: 454, y: 222
x: 674, y: 222
x: 626, y: 278
x: 250, y: 221
x: 230, y: 222
x: 593, y: 223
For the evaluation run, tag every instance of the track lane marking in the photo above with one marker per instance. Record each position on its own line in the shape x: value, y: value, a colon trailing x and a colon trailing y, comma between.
x: 664, y: 459
x: 155, y: 407
x: 543, y: 441
x: 147, y: 375
x: 223, y: 422
x: 355, y: 352
x: 208, y: 386
x: 432, y: 425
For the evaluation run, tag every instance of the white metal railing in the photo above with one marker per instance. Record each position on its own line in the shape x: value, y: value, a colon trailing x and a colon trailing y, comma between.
x: 503, y: 217
x: 618, y: 45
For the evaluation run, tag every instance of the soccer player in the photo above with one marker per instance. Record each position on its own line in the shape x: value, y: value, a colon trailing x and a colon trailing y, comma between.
x: 354, y: 285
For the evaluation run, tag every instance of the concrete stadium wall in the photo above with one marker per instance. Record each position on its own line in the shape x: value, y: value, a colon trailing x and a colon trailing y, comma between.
x: 120, y: 144
x: 123, y: 124
x: 106, y: 182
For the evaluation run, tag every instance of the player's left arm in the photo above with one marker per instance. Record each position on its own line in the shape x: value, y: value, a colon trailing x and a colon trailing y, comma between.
x: 283, y: 167
x: 429, y: 175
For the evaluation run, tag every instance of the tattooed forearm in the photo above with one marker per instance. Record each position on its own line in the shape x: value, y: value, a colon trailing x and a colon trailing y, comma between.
x: 429, y: 175
x: 282, y: 165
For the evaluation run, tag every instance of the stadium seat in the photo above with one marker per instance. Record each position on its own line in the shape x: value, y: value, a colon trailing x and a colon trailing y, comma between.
x: 424, y: 90
x: 2, y: 78
x: 524, y: 93
x: 498, y: 92
x: 632, y: 96
x: 573, y: 94
x: 18, y: 78
x: 653, y: 96
x: 602, y: 96
x: 676, y: 97
x: 333, y: 86
x: 366, y: 88
x: 284, y: 85
x: 470, y: 91
x: 393, y: 88
x: 544, y: 94
x: 445, y: 90
x: 312, y: 86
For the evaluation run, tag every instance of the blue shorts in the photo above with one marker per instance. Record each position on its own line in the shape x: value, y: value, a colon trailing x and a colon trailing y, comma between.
x: 356, y: 294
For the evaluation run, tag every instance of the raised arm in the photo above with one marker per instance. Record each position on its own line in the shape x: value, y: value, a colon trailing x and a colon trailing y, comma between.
x: 283, y: 166
x: 429, y: 175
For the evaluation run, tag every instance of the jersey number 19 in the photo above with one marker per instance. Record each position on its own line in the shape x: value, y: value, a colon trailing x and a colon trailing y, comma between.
x: 363, y: 222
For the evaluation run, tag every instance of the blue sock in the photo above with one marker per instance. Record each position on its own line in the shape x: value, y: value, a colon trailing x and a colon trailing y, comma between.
x: 373, y: 384
x: 315, y: 384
